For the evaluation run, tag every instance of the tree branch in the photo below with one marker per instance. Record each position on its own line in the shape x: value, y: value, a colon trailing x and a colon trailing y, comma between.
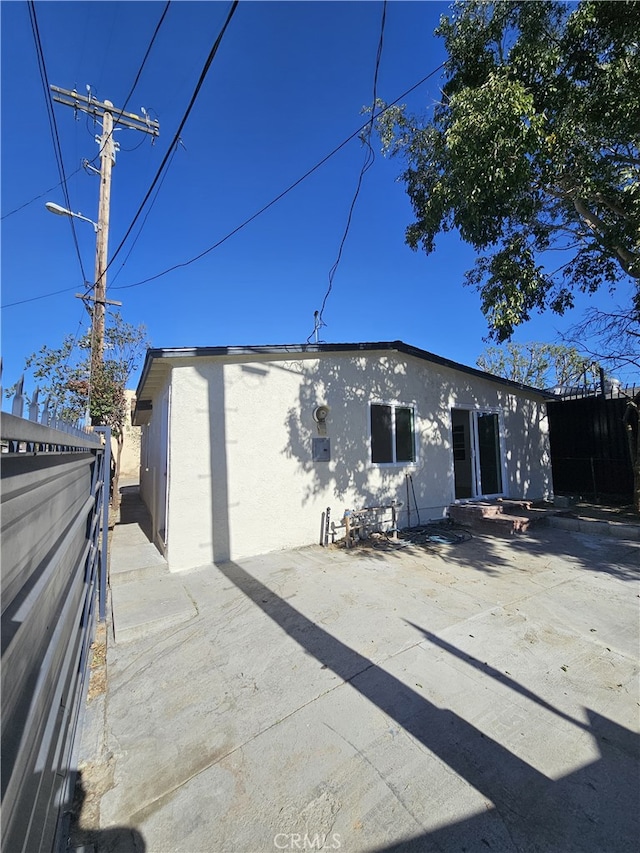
x: 613, y: 207
x: 627, y: 260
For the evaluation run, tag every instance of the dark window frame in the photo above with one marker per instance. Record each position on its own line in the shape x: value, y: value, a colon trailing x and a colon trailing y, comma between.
x: 391, y: 439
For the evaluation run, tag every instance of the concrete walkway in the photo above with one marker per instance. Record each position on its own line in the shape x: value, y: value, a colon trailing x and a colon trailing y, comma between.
x: 478, y: 697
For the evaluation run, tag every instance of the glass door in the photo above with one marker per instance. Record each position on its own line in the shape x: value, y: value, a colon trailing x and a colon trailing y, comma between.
x: 477, y: 455
x: 489, y: 461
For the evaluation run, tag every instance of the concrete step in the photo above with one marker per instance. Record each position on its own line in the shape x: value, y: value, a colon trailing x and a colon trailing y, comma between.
x: 512, y: 506
x: 501, y: 518
x: 133, y: 557
x: 145, y: 607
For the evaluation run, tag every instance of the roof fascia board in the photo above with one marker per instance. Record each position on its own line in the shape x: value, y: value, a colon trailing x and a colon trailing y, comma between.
x: 311, y: 349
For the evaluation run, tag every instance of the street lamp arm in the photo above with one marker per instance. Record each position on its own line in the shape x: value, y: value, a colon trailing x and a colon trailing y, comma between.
x: 52, y: 207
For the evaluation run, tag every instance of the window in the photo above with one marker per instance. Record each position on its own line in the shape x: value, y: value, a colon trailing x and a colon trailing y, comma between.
x: 392, y: 434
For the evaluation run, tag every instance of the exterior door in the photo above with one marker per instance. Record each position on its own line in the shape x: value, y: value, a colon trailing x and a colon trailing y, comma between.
x: 489, y: 458
x: 477, y: 454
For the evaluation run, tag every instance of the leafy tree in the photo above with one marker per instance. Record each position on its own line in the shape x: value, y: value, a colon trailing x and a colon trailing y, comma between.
x: 533, y: 150
x: 540, y: 365
x: 64, y: 373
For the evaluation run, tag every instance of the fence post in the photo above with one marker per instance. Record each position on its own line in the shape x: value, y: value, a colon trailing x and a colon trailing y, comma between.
x: 17, y: 406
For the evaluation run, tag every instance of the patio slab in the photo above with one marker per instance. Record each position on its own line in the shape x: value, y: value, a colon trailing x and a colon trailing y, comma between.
x: 480, y: 696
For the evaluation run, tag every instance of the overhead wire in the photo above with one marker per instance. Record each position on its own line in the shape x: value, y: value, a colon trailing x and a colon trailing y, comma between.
x: 46, y: 192
x: 366, y: 165
x: 259, y: 212
x: 146, y: 216
x: 53, y: 126
x: 135, y: 81
x: 52, y: 120
x: 284, y: 193
x: 76, y: 338
x: 121, y: 111
x: 178, y: 132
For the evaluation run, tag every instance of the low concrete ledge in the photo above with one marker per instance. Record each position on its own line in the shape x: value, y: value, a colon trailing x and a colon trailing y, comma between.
x: 511, y: 517
x: 595, y: 527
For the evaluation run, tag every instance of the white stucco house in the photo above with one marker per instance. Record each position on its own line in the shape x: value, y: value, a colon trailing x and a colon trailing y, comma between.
x: 244, y: 448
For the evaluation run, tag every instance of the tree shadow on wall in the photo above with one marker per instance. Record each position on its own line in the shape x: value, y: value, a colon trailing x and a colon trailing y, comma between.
x: 347, y: 384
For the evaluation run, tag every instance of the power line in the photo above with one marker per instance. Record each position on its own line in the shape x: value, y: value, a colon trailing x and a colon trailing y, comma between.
x: 46, y: 192
x: 176, y: 137
x: 284, y: 192
x: 146, y: 216
x: 367, y: 164
x: 136, y: 80
x: 146, y: 56
x: 37, y: 298
x: 53, y: 126
x: 258, y: 212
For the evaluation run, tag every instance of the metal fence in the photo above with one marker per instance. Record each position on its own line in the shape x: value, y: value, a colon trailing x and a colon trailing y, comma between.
x: 54, y: 546
x: 589, y: 447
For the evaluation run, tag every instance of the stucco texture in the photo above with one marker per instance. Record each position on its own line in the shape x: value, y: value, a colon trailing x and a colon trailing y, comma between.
x: 241, y: 480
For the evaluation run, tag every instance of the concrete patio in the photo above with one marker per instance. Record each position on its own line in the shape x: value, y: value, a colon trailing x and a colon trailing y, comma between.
x: 481, y: 696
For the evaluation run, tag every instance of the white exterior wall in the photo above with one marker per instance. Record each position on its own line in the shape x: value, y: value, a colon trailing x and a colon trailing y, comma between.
x: 153, y: 458
x: 242, y: 479
x: 130, y: 459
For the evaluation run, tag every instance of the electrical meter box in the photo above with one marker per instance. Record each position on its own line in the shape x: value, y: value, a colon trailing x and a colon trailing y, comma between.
x: 321, y: 449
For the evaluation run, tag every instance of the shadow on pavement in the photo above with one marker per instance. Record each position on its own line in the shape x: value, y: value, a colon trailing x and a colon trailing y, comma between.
x: 115, y: 839
x: 591, y: 809
x: 133, y: 510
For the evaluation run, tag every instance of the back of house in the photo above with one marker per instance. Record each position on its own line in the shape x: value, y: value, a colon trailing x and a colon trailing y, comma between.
x: 244, y: 449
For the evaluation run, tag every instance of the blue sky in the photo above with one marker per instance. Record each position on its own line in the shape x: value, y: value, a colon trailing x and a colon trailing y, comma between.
x: 285, y: 88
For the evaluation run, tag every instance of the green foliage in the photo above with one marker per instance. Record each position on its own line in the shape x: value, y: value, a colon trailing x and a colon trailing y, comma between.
x: 65, y: 374
x: 540, y: 365
x: 533, y: 149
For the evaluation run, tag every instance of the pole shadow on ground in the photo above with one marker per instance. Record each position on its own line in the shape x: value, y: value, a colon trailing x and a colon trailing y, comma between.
x: 593, y: 808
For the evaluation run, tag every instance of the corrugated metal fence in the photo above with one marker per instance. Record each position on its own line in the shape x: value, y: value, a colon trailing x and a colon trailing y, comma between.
x: 54, y: 528
x: 589, y: 447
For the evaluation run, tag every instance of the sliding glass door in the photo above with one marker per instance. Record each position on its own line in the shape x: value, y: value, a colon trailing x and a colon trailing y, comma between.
x: 489, y: 457
x: 477, y: 454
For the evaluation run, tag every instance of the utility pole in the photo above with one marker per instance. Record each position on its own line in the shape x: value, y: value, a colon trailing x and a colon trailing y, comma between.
x: 111, y: 117
x: 107, y: 162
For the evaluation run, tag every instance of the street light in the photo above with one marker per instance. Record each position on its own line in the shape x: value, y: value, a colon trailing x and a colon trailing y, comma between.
x: 99, y: 297
x: 52, y: 207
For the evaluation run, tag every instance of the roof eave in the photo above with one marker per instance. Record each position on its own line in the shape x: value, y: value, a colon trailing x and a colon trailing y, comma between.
x: 155, y: 354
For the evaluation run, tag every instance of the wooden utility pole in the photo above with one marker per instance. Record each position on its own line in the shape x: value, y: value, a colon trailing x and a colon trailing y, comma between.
x: 107, y: 161
x: 111, y: 118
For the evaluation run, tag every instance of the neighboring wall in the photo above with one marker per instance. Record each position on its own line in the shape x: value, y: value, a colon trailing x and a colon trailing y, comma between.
x: 130, y: 459
x: 242, y: 479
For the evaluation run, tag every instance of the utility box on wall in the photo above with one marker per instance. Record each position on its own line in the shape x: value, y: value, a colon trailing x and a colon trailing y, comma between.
x: 321, y: 449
